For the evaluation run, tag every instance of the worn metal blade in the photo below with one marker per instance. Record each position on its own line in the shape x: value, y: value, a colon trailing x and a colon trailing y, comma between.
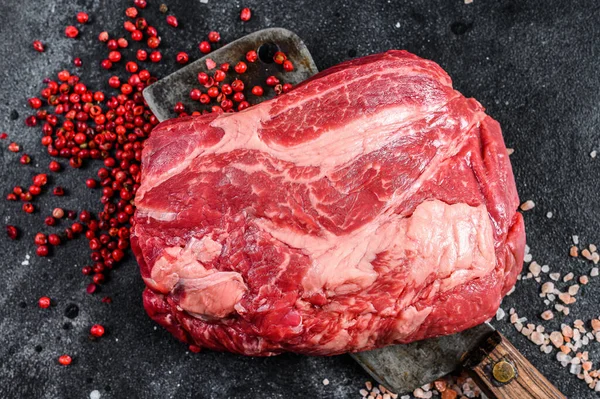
x: 165, y: 93
x: 403, y: 368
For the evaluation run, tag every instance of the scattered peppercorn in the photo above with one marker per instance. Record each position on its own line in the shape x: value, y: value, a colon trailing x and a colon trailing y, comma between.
x: 12, y: 232
x: 25, y: 159
x: 82, y: 17
x: 182, y: 58
x: 44, y: 302
x: 204, y: 47
x: 245, y: 14
x: 288, y: 66
x: 214, y: 36
x: 14, y: 147
x: 65, y: 360
x: 71, y: 32
x: 172, y: 20
x: 97, y: 330
x: 38, y: 46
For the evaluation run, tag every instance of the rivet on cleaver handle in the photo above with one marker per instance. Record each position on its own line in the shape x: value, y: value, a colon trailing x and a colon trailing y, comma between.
x: 165, y: 93
x: 502, y: 372
x: 403, y: 368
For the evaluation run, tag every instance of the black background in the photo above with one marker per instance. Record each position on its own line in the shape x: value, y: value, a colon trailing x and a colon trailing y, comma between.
x: 533, y: 65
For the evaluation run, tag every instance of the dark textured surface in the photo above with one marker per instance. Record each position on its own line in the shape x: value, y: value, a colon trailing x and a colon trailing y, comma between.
x: 532, y: 64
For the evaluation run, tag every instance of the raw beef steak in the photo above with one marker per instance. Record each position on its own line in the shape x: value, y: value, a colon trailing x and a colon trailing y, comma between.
x: 371, y: 205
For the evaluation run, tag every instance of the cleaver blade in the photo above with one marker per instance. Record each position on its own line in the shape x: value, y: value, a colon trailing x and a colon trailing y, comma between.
x: 403, y: 368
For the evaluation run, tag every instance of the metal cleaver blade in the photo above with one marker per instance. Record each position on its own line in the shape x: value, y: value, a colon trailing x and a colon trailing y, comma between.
x: 165, y: 93
x: 403, y: 368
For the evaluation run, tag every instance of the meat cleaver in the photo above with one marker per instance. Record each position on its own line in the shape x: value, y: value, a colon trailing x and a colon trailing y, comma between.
x: 494, y: 364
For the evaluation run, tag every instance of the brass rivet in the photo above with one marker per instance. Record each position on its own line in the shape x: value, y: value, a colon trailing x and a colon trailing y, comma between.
x: 503, y: 371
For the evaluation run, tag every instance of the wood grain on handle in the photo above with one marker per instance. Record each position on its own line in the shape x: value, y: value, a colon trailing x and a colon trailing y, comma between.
x: 497, y: 359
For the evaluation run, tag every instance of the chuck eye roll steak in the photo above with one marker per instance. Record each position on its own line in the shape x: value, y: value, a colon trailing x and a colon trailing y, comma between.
x: 371, y: 205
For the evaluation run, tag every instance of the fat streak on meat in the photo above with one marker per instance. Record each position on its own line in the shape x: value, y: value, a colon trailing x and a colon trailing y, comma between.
x: 371, y: 205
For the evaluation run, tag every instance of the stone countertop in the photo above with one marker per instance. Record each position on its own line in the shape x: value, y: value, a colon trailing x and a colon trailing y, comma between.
x: 533, y: 65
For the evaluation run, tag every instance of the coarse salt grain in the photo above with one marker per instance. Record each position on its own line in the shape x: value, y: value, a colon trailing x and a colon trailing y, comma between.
x: 527, y: 258
x: 527, y: 205
x: 557, y: 339
x: 568, y: 277
x: 559, y: 307
x: 545, y: 269
x: 567, y: 331
x: 549, y: 215
x: 547, y: 287
x: 535, y: 269
x: 594, y: 272
x: 547, y: 315
x: 509, y: 150
x: 537, y: 338
x: 575, y: 240
x: 593, y: 154
x: 586, y: 254
x: 369, y: 385
x: 565, y: 298
x: 554, y: 276
x: 592, y: 248
x: 583, y: 280
x: 574, y: 289
x: 574, y: 252
x: 95, y: 394
x: 325, y: 381
x: 500, y: 313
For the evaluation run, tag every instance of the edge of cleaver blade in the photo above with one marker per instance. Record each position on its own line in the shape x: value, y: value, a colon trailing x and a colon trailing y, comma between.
x: 403, y: 368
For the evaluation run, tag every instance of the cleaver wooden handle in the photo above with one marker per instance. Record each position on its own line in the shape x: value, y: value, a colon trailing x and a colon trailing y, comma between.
x: 502, y: 372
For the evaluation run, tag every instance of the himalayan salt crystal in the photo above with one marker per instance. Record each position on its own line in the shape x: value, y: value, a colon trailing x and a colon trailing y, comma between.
x: 557, y: 339
x: 545, y: 269
x: 554, y: 276
x: 547, y: 315
x: 565, y: 298
x: 535, y: 268
x: 440, y: 385
x: 594, y: 272
x: 537, y: 338
x: 527, y: 205
x: 595, y: 325
x: 574, y: 289
x: 586, y: 254
x: 567, y: 331
x: 574, y: 252
x: 547, y: 287
x: 568, y: 277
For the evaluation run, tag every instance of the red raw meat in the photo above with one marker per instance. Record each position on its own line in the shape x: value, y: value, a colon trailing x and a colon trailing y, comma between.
x: 371, y: 205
